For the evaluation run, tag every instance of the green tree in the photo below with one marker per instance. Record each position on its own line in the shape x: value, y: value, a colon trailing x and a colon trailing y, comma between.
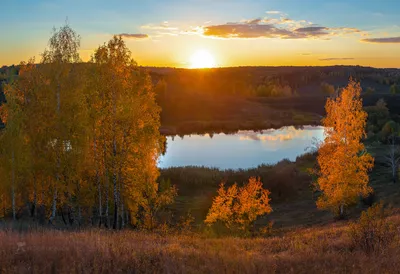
x: 394, y: 89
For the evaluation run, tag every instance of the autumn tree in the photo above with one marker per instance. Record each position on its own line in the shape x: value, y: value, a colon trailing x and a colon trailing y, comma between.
x: 80, y: 137
x: 327, y: 89
x: 239, y: 207
x: 125, y: 135
x: 60, y: 116
x: 342, y: 159
x: 12, y: 144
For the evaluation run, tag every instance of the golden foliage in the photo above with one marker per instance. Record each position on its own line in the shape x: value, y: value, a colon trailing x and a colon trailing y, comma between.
x: 240, y: 206
x: 372, y: 233
x: 342, y: 159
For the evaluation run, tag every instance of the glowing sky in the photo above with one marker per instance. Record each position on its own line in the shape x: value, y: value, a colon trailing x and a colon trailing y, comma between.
x: 235, y: 33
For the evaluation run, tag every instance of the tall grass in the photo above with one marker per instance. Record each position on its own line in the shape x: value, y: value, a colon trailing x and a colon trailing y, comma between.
x: 314, y: 250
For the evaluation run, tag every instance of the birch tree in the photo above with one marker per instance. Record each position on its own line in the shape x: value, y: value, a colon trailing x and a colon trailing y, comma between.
x: 128, y: 125
x: 342, y: 159
x: 62, y: 98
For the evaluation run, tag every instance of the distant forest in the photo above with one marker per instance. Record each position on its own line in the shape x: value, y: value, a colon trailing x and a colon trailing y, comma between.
x: 227, y: 99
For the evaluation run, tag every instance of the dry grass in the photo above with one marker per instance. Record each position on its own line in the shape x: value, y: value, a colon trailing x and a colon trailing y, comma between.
x: 314, y: 250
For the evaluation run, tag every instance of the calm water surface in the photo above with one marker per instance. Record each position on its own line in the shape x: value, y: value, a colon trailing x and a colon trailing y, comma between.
x: 244, y: 149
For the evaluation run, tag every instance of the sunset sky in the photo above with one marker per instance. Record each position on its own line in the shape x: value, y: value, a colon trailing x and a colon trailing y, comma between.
x: 235, y: 33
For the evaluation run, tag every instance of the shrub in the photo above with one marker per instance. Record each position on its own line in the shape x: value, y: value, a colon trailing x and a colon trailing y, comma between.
x: 370, y: 90
x: 372, y: 233
x: 327, y: 88
x: 239, y: 207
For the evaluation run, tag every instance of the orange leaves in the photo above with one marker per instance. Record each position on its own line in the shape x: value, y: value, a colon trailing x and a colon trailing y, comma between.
x: 3, y: 114
x: 222, y: 208
x: 342, y: 159
x: 240, y: 206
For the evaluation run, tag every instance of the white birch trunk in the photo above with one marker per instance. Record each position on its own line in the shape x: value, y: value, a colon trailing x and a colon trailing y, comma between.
x: 13, y: 186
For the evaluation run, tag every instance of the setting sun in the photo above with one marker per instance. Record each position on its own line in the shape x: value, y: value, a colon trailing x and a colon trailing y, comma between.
x: 202, y: 59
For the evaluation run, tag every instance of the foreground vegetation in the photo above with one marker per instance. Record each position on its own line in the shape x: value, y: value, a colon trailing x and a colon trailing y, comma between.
x: 320, y: 249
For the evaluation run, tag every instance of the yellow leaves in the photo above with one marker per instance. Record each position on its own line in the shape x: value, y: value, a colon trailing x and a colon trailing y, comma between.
x: 222, y: 208
x: 239, y: 206
x: 343, y: 163
x: 3, y: 114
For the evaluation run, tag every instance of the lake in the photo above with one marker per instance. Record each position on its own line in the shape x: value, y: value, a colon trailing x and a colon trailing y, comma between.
x: 244, y: 149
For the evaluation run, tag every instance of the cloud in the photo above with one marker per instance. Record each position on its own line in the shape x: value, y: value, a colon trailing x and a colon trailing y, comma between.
x: 336, y: 58
x: 312, y: 31
x: 274, y: 136
x: 275, y: 25
x: 262, y: 28
x: 273, y: 12
x: 240, y: 30
x: 383, y: 40
x: 163, y: 26
x: 162, y: 29
x: 134, y: 35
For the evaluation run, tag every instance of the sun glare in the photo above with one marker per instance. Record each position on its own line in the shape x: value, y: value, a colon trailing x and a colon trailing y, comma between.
x: 202, y: 59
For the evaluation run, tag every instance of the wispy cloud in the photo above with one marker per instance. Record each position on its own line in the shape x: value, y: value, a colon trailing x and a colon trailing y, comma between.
x: 134, y: 35
x: 162, y: 29
x: 273, y: 12
x: 274, y: 136
x: 336, y: 59
x: 261, y: 28
x: 275, y: 25
x: 163, y: 26
x: 383, y: 40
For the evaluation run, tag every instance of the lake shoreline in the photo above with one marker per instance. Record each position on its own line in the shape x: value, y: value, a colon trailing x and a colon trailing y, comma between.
x: 232, y: 127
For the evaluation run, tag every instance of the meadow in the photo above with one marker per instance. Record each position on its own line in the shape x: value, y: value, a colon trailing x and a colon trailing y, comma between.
x: 320, y: 249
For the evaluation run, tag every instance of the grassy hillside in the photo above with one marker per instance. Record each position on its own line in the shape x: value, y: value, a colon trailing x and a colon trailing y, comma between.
x: 320, y: 249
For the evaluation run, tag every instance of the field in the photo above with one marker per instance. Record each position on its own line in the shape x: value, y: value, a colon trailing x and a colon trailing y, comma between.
x: 319, y: 249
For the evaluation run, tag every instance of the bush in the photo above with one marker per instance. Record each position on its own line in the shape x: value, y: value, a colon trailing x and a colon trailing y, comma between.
x: 327, y: 88
x: 372, y: 233
x: 370, y: 90
x: 239, y: 207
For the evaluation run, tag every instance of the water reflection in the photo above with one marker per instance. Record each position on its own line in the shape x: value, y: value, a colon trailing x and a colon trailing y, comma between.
x: 244, y: 149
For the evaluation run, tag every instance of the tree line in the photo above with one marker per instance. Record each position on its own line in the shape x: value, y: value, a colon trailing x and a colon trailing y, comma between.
x: 81, y: 142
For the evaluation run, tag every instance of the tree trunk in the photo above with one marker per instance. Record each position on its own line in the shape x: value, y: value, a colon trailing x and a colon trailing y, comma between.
x: 107, y: 219
x: 54, y: 206
x: 13, y: 186
x: 78, y: 196
x: 34, y: 206
x: 122, y: 215
x: 341, y: 211
x: 100, y: 210
x: 115, y: 190
x: 58, y: 146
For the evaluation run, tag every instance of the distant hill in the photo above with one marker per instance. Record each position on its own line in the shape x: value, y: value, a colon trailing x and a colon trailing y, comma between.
x: 197, y: 100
